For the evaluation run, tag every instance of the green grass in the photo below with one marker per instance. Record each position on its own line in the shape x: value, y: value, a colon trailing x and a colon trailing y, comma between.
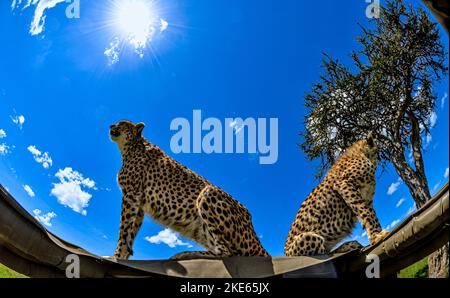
x: 5, y: 272
x: 417, y: 270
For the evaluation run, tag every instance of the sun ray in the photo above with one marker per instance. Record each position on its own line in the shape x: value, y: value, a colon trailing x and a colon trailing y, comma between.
x: 135, y: 23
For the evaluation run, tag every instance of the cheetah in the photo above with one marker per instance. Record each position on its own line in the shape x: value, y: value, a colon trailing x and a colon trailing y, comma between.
x: 174, y: 196
x: 330, y: 212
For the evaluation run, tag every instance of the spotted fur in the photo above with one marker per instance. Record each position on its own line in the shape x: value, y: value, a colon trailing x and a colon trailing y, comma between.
x: 330, y: 212
x: 155, y: 184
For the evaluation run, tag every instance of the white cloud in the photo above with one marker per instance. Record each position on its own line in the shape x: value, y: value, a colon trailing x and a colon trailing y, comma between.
x: 38, y: 22
x: 400, y: 202
x: 356, y: 237
x: 19, y: 120
x: 364, y: 234
x: 44, y: 218
x: 69, y: 191
x: 393, y: 187
x: 4, y: 149
x: 112, y: 52
x: 443, y: 99
x: 167, y: 236
x: 446, y: 173
x: 2, y: 134
x: 428, y: 139
x: 39, y: 157
x: 29, y: 191
x: 433, y: 119
x: 164, y: 25
x: 16, y: 3
x: 392, y: 224
x: 436, y: 186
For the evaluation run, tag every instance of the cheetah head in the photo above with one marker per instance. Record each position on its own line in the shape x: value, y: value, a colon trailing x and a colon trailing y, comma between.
x: 370, y: 148
x: 126, y: 132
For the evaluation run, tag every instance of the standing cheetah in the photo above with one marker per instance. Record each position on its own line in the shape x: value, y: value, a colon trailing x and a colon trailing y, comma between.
x: 155, y: 184
x: 330, y: 212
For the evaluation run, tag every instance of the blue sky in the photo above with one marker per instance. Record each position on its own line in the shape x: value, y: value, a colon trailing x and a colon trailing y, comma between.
x: 59, y: 93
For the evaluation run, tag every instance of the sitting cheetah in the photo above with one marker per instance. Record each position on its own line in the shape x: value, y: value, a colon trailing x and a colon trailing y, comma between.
x: 155, y: 184
x: 330, y: 212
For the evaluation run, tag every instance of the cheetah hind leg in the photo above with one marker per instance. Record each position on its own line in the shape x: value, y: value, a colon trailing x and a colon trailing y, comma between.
x: 186, y: 255
x: 347, y: 247
x: 306, y: 244
x: 219, y: 251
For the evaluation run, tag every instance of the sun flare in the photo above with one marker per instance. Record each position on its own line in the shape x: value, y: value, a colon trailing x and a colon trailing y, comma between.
x: 135, y: 23
x: 135, y: 19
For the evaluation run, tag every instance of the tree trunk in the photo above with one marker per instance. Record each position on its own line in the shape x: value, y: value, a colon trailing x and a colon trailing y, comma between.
x: 438, y: 263
x: 414, y: 181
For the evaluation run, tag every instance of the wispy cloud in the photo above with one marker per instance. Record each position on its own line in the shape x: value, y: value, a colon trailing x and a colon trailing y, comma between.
x: 433, y: 119
x: 393, y: 187
x: 443, y: 100
x: 436, y: 186
x: 2, y: 134
x: 45, y: 219
x: 19, y: 120
x: 428, y: 139
x: 112, y: 52
x: 411, y: 209
x: 4, y: 149
x: 400, y: 202
x: 69, y: 190
x: 355, y: 237
x: 164, y: 25
x: 29, y: 190
x: 43, y: 158
x: 167, y: 236
x: 40, y: 6
x: 392, y: 224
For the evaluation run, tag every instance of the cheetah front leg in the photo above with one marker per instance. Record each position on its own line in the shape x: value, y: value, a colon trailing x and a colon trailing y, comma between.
x: 363, y: 209
x: 132, y: 216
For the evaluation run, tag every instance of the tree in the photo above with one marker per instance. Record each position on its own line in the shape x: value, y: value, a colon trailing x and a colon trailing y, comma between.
x: 389, y: 92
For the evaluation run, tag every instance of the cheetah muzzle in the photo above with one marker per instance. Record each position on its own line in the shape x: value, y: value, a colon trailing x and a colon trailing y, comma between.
x: 174, y: 196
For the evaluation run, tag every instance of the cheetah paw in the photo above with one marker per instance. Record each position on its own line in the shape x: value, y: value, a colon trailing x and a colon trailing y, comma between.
x: 378, y: 237
x: 348, y: 246
x: 192, y: 255
x: 111, y: 258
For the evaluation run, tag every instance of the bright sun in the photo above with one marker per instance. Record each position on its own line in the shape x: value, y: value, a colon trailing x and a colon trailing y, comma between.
x: 135, y: 18
x: 135, y: 23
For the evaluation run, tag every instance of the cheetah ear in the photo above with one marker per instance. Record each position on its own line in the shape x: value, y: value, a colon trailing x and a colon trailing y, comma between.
x: 370, y: 139
x: 139, y: 127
